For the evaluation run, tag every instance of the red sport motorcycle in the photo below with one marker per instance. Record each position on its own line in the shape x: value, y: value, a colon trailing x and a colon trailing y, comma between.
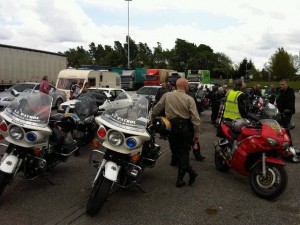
x: 252, y: 149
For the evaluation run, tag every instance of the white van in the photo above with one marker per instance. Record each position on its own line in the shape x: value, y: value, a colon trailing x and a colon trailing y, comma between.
x: 96, y: 79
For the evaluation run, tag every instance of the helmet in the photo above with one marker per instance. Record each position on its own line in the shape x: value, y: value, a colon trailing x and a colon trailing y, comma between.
x: 162, y: 126
x: 237, y: 124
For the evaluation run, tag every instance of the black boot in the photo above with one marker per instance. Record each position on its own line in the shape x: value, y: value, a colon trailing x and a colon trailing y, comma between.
x: 198, y: 156
x: 193, y: 174
x: 180, y: 182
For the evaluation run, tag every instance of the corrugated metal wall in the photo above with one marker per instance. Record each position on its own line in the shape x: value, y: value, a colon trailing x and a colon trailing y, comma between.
x: 19, y: 65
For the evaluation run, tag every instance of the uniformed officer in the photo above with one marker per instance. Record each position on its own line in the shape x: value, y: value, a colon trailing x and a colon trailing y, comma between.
x: 181, y: 111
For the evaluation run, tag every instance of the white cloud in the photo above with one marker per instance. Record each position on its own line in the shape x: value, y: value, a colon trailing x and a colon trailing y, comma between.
x: 257, y: 28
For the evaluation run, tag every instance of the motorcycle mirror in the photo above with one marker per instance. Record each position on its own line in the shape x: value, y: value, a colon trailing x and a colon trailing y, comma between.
x: 14, y: 93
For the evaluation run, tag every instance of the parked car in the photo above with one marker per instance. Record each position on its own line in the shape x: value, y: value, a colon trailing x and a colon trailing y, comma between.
x: 28, y: 87
x: 149, y: 91
x: 102, y: 95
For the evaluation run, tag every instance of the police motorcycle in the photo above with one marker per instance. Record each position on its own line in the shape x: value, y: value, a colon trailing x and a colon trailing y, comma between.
x: 36, y: 141
x: 125, y: 147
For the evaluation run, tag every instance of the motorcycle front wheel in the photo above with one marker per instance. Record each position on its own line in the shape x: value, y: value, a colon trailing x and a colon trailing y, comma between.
x: 4, y: 178
x: 272, y: 185
x: 99, y: 194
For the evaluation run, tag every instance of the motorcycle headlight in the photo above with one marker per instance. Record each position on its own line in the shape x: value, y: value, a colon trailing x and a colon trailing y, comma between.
x: 285, y: 145
x: 115, y: 138
x: 16, y: 132
x: 272, y: 142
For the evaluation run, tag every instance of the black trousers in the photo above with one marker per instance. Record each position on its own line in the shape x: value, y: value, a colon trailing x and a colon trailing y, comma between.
x: 214, y: 112
x: 285, y: 122
x: 180, y: 141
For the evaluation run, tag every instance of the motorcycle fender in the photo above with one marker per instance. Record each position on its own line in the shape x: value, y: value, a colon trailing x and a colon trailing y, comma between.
x: 111, y: 171
x: 9, y: 164
x: 275, y: 161
x: 271, y: 160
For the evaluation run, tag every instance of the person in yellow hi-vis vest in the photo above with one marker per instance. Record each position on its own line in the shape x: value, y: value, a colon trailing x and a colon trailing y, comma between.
x: 235, y: 106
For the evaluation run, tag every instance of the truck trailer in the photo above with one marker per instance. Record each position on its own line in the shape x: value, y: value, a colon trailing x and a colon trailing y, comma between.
x: 133, y: 79
x: 19, y: 64
x: 155, y: 77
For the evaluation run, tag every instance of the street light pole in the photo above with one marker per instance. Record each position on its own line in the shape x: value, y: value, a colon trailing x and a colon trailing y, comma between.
x: 128, y: 57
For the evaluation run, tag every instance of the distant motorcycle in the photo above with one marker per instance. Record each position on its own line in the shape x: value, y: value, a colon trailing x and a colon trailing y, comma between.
x: 130, y: 147
x: 37, y: 142
x: 202, y: 102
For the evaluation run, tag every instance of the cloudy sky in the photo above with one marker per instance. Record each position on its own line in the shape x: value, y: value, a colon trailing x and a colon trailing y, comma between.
x: 252, y: 29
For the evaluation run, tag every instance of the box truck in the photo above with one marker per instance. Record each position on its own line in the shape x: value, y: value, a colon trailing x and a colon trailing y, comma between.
x: 133, y: 79
x: 202, y: 76
x: 155, y: 77
x: 19, y: 64
x: 96, y: 79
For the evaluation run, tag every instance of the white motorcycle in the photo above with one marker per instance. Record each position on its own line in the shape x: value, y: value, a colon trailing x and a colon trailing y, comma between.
x: 35, y: 143
x: 127, y: 148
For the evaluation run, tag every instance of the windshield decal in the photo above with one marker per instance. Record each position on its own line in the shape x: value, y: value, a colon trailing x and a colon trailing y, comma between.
x: 124, y: 121
x: 25, y: 116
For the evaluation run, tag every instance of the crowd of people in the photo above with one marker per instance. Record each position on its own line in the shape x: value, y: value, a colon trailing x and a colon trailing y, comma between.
x: 179, y: 106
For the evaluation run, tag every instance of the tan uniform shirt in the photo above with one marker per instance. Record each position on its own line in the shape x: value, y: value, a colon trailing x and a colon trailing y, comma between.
x: 178, y: 104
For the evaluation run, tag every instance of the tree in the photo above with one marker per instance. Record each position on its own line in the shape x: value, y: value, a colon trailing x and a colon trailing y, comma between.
x: 143, y: 57
x: 281, y: 65
x: 245, y: 69
x: 182, y: 54
x: 77, y: 57
x: 223, y: 66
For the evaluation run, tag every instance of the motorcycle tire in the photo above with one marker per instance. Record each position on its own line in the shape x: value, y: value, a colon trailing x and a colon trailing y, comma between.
x: 99, y: 194
x: 4, y: 179
x: 273, y: 185
x: 220, y: 162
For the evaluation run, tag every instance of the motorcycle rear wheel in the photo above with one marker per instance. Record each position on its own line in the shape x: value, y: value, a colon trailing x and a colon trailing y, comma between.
x: 4, y: 179
x: 99, y: 194
x: 220, y: 162
x: 273, y: 185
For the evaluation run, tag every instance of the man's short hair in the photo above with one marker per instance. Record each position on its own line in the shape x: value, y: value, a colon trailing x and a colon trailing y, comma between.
x: 238, y: 83
x: 286, y: 80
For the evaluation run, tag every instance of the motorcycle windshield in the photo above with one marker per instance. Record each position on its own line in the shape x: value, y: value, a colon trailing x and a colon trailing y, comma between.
x: 85, y: 105
x: 272, y: 123
x: 128, y: 112
x: 270, y: 111
x: 200, y: 94
x: 31, y: 109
